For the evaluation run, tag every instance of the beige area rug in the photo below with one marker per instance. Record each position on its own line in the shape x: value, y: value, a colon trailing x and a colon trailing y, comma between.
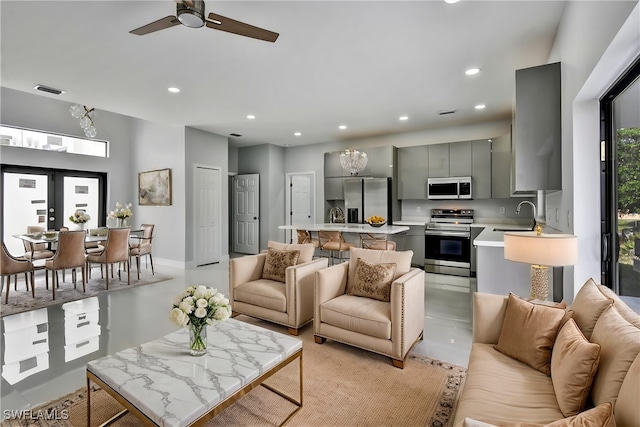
x: 21, y: 300
x: 343, y: 386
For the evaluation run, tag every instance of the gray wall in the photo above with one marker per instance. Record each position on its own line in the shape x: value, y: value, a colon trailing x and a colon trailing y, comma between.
x: 205, y: 149
x: 158, y: 146
x: 268, y: 161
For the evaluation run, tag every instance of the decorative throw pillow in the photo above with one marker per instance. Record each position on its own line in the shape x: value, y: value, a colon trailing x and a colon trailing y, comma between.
x: 620, y: 344
x: 600, y: 416
x: 306, y: 249
x: 402, y: 259
x: 587, y: 306
x: 277, y: 262
x: 373, y: 280
x: 574, y: 362
x: 528, y: 332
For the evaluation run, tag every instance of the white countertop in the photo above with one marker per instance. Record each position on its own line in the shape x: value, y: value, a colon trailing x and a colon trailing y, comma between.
x: 491, y: 238
x: 348, y: 228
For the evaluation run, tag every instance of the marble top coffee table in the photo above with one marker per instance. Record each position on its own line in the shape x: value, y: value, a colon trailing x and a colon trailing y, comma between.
x: 163, y: 385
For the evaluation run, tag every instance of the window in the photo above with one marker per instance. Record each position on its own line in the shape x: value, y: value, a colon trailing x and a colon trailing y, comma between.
x: 36, y: 140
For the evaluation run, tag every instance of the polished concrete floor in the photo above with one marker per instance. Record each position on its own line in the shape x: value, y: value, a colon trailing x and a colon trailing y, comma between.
x: 117, y: 320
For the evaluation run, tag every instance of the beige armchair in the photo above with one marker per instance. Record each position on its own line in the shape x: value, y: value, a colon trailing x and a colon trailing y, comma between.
x: 356, y: 305
x: 288, y: 302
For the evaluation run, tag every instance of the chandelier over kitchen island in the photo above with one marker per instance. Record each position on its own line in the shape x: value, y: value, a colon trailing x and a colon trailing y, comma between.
x: 353, y: 161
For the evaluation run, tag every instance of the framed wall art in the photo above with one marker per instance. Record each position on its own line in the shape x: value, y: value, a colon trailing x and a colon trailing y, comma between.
x: 154, y: 188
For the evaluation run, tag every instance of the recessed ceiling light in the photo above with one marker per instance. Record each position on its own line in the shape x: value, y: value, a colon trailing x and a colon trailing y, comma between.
x: 480, y: 107
x: 403, y: 118
x: 297, y: 134
x: 472, y: 71
x: 173, y: 90
x: 451, y: 1
x: 342, y: 127
x: 251, y: 117
x: 287, y: 145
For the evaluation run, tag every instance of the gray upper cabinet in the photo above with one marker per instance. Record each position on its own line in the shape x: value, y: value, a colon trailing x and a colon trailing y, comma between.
x: 537, y: 129
x: 501, y: 167
x: 333, y: 189
x: 460, y: 158
x: 481, y: 169
x: 382, y: 161
x: 332, y: 166
x: 438, y: 160
x: 413, y: 163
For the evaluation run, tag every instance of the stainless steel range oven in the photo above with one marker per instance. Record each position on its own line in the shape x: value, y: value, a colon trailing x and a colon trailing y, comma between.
x: 448, y: 242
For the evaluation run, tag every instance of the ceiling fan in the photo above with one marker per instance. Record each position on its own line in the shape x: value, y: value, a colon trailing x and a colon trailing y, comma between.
x: 191, y: 13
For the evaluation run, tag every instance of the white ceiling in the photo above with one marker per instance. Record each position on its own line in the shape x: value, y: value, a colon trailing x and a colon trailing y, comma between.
x: 358, y: 63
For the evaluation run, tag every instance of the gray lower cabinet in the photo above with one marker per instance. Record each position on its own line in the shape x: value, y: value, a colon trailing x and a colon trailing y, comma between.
x: 414, y: 240
x: 413, y: 164
x: 481, y: 169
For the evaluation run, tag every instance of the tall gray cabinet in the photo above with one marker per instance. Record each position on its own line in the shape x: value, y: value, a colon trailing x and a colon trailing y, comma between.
x: 537, y: 129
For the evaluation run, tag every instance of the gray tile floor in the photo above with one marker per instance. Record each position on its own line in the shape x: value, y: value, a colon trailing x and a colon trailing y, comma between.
x: 137, y: 315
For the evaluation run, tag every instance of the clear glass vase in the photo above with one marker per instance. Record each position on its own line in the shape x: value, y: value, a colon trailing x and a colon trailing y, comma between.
x: 198, y: 340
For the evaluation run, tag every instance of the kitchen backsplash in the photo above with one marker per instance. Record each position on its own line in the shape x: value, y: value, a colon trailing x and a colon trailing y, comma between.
x: 489, y: 209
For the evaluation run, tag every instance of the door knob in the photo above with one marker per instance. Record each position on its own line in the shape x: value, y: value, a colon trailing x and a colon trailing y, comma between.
x: 255, y: 217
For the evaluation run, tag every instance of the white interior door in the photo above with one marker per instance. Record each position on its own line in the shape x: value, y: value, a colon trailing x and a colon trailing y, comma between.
x: 301, y: 199
x: 246, y: 210
x: 207, y: 211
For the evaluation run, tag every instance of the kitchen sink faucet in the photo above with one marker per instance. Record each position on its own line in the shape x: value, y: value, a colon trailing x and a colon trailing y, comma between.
x: 536, y: 227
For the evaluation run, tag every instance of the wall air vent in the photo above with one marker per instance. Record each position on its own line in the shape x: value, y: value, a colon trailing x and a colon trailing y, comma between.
x: 48, y: 89
x: 237, y: 135
x: 445, y: 112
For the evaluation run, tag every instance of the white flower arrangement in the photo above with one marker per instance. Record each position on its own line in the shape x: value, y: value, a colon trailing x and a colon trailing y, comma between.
x: 121, y: 211
x: 198, y: 306
x: 79, y: 217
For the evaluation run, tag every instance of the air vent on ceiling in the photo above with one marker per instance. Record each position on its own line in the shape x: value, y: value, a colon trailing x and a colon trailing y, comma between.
x: 48, y: 89
x: 445, y: 112
x: 237, y: 135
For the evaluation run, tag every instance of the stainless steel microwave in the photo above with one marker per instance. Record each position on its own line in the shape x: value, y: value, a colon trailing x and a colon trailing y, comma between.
x: 449, y: 188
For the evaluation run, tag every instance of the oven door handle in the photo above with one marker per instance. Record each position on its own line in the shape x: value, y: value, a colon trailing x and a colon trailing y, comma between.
x: 447, y: 233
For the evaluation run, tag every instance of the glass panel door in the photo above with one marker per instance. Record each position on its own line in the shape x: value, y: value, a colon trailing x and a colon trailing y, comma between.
x: 81, y: 194
x: 620, y: 183
x: 46, y: 198
x: 626, y: 117
x: 26, y: 203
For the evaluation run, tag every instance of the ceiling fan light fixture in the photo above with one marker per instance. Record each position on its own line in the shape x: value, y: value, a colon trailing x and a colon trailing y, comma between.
x: 192, y: 17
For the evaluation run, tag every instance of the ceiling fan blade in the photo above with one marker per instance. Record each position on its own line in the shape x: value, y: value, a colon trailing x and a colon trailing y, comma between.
x: 236, y: 27
x: 160, y: 24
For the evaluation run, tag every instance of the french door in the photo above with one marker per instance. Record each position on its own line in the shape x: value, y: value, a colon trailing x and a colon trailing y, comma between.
x: 46, y: 198
x: 620, y: 184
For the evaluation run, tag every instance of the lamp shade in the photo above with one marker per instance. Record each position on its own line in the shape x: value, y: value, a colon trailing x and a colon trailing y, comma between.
x: 554, y: 250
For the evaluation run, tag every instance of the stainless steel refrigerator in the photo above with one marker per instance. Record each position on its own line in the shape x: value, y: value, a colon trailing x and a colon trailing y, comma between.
x: 364, y: 197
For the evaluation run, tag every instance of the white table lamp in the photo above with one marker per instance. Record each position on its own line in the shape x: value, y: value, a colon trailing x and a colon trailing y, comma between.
x: 541, y: 251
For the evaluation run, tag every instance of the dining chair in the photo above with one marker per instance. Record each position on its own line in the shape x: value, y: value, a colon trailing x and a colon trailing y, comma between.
x: 35, y: 251
x: 116, y: 251
x: 69, y: 255
x: 11, y: 266
x: 142, y: 247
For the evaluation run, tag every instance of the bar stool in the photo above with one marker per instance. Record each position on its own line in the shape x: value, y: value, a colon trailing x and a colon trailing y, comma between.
x: 333, y: 241
x: 304, y: 236
x: 376, y: 242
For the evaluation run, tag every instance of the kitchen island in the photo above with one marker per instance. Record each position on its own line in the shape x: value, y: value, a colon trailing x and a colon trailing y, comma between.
x: 495, y: 274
